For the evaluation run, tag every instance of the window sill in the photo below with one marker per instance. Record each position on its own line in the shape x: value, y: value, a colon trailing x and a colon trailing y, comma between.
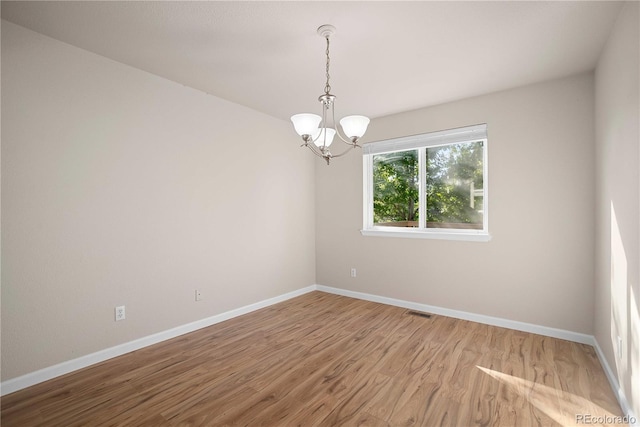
x: 428, y: 234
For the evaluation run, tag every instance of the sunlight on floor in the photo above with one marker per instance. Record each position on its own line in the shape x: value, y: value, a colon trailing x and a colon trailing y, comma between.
x: 563, y: 407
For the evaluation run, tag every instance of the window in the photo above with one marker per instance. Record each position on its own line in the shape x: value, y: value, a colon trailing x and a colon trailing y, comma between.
x: 432, y: 185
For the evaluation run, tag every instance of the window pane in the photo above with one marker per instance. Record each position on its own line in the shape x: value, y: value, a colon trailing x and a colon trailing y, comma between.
x: 396, y: 185
x: 454, y: 186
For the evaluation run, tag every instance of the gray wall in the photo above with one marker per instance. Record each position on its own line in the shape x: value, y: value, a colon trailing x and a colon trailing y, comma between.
x: 617, y: 293
x: 538, y: 267
x: 122, y: 188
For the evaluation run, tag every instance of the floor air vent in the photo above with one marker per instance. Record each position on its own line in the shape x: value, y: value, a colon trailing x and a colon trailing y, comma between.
x: 417, y: 313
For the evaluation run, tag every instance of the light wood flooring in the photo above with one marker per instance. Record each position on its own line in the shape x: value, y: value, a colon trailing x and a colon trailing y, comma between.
x: 327, y: 360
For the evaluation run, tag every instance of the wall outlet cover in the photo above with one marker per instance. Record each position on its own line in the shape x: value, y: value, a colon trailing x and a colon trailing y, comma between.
x: 120, y: 314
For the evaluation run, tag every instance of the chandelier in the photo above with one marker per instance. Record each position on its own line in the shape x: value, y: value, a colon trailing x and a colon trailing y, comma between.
x: 318, y: 132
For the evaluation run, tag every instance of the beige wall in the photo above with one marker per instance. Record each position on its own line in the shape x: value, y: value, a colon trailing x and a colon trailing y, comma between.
x: 538, y: 267
x: 120, y: 187
x: 617, y: 296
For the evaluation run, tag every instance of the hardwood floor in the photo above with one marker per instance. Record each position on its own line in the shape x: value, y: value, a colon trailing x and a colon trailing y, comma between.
x: 327, y: 360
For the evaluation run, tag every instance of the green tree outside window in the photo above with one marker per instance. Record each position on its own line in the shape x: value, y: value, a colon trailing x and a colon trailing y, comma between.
x: 454, y: 187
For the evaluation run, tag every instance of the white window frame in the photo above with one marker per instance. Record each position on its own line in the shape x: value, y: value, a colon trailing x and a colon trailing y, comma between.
x: 421, y: 143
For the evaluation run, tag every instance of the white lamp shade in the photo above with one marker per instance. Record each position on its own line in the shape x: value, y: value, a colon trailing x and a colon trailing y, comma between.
x: 306, y: 123
x: 318, y: 137
x: 354, y: 126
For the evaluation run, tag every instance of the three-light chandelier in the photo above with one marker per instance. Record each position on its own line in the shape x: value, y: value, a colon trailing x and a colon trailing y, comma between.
x: 318, y: 132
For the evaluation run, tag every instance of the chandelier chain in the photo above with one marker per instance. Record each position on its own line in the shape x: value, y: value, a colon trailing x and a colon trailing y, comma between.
x: 327, y: 87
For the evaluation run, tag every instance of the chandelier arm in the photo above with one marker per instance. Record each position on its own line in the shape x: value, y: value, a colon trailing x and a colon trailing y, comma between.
x: 314, y: 140
x: 333, y: 156
x: 346, y: 140
x: 322, y: 125
x: 316, y: 151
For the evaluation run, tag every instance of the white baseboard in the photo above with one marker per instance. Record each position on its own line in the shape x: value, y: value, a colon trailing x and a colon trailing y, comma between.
x: 479, y: 318
x: 50, y: 372
x: 613, y: 381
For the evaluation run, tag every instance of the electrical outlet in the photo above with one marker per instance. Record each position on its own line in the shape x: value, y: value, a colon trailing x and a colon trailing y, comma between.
x: 120, y: 313
x: 353, y: 272
x: 198, y: 295
x: 619, y: 348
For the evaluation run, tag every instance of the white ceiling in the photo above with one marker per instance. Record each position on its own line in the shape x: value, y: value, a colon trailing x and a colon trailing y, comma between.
x: 386, y: 57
